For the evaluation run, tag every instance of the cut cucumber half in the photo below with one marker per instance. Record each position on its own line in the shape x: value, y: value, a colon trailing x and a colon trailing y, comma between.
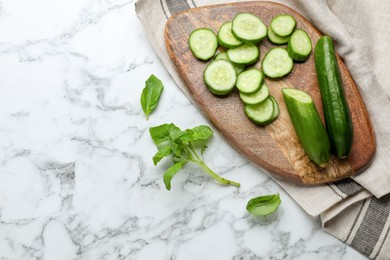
x: 203, y: 43
x: 226, y: 37
x: 257, y: 97
x: 248, y: 28
x: 276, y: 39
x: 246, y: 54
x: 223, y: 56
x: 261, y: 113
x: 250, y: 81
x: 299, y: 46
x: 283, y: 25
x: 277, y: 63
x: 220, y: 77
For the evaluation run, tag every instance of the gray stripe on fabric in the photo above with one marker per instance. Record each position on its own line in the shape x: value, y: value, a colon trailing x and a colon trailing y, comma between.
x: 348, y: 186
x: 163, y: 8
x: 372, y: 225
x: 177, y: 6
x: 383, y: 242
x: 356, y: 219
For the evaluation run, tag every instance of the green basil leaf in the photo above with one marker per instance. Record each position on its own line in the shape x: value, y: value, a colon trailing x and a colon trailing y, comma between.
x: 199, y: 133
x: 164, y: 152
x: 159, y: 133
x: 151, y: 94
x: 263, y: 205
x: 174, y: 132
x: 168, y: 175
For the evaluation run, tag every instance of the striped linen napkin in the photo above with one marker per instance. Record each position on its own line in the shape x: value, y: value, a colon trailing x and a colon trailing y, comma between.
x: 354, y: 210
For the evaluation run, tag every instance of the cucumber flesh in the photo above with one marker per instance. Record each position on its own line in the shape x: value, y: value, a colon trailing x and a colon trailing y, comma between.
x: 246, y: 54
x: 223, y: 56
x: 248, y: 28
x: 261, y: 113
x: 203, y: 43
x: 299, y: 46
x: 308, y: 125
x: 283, y: 25
x: 257, y: 97
x: 220, y: 77
x: 250, y: 81
x: 277, y: 63
x: 276, y: 39
x: 226, y: 37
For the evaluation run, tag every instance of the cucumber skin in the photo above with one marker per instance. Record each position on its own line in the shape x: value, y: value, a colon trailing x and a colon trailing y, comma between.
x: 337, y: 115
x: 309, y: 129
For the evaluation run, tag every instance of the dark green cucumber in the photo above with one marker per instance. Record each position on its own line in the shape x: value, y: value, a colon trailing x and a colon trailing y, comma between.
x: 337, y: 116
x: 308, y: 125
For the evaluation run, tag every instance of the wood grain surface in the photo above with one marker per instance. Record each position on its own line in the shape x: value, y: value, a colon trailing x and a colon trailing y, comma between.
x: 274, y: 147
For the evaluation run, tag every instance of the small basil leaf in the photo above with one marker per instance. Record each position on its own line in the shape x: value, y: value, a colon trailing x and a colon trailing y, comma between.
x: 174, y: 132
x: 151, y: 94
x: 199, y: 133
x: 164, y: 152
x: 168, y: 175
x: 159, y: 133
x: 263, y: 205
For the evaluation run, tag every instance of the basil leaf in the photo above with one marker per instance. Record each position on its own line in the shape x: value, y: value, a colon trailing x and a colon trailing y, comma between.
x: 151, y: 94
x: 199, y: 133
x: 159, y: 133
x: 164, y: 152
x: 263, y: 205
x: 168, y: 175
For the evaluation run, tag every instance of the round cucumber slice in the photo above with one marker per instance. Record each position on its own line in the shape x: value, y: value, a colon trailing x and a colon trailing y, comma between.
x: 226, y: 37
x: 299, y: 46
x: 203, y: 43
x: 246, y: 54
x: 220, y: 77
x: 248, y: 28
x: 250, y: 81
x: 261, y: 113
x: 276, y: 39
x: 223, y: 56
x: 277, y: 63
x: 283, y: 25
x: 257, y: 97
x: 276, y: 109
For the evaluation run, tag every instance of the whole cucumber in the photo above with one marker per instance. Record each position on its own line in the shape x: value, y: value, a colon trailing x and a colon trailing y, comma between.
x: 337, y: 116
x: 308, y: 125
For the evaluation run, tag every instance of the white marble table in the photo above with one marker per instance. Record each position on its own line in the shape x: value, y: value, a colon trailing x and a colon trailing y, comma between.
x: 76, y: 178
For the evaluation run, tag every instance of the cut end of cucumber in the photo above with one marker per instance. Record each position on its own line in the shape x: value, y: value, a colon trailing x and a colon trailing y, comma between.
x: 297, y: 94
x: 203, y: 43
x: 220, y: 77
x: 248, y: 28
x: 277, y: 63
x: 283, y: 25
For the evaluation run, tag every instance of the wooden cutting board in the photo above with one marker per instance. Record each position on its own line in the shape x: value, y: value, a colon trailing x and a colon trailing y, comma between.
x: 274, y: 147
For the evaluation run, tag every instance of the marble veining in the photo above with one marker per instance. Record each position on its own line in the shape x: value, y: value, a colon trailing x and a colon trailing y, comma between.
x: 76, y: 176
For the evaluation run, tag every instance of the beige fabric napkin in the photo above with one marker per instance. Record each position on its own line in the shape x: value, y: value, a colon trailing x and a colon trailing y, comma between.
x: 355, y: 210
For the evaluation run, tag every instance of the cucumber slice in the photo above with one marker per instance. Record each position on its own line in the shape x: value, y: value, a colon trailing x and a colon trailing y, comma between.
x: 257, y: 97
x: 226, y: 37
x: 223, y: 56
x: 276, y: 39
x: 283, y: 25
x: 277, y: 63
x: 299, y: 46
x: 220, y: 77
x: 248, y: 28
x: 246, y: 54
x: 250, y: 81
x: 276, y: 108
x: 308, y: 125
x: 261, y: 113
x: 203, y: 43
